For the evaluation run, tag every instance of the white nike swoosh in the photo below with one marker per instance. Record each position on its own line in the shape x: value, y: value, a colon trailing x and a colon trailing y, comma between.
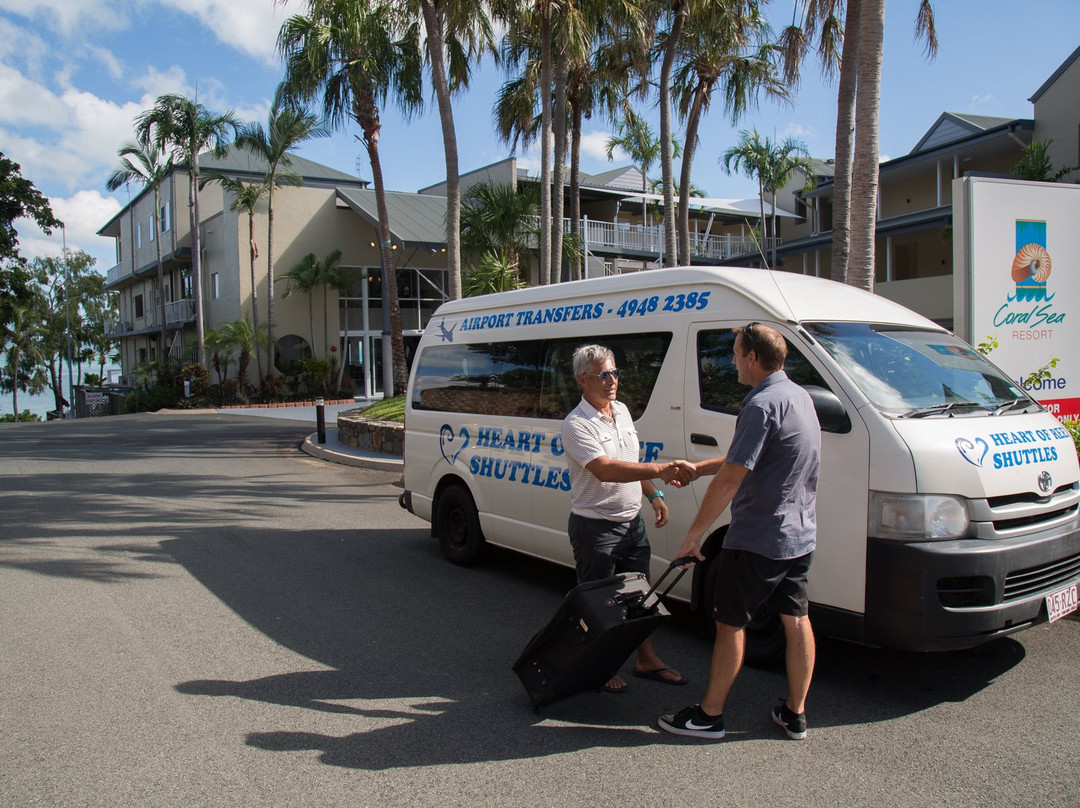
x: 692, y: 725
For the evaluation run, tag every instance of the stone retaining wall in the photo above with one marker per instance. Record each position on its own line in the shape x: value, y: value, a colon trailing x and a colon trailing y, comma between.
x: 385, y: 437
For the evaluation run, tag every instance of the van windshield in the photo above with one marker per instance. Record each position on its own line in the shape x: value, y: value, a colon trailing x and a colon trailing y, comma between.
x: 915, y: 373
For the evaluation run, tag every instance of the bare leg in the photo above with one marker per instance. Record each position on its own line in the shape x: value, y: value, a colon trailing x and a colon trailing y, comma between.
x: 649, y: 660
x: 801, y: 653
x: 727, y: 658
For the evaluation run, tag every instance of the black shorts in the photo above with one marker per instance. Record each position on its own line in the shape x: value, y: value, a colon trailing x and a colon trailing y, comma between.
x: 746, y: 583
x: 603, y: 548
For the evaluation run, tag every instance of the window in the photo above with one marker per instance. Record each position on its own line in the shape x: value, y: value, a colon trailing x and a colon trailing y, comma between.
x: 532, y: 379
x: 718, y: 379
x: 138, y: 302
x: 138, y: 235
x: 215, y: 286
x: 150, y: 226
x: 187, y: 291
x: 165, y: 218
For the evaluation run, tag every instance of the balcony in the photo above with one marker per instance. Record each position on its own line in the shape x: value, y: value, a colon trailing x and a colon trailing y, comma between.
x: 177, y: 314
x: 635, y: 240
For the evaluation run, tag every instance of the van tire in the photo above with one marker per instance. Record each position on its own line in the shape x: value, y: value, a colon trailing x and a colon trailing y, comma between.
x: 765, y: 641
x: 458, y: 526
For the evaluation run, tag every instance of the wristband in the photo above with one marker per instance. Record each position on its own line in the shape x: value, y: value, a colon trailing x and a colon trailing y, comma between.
x: 654, y: 495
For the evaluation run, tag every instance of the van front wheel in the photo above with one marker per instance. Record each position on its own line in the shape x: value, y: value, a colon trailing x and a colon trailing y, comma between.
x: 765, y: 641
x: 458, y: 526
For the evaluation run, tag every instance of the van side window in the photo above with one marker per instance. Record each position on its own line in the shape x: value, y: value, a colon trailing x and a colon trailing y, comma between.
x: 718, y: 379
x: 531, y: 379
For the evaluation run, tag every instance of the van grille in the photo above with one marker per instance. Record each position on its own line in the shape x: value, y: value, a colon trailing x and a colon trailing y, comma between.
x: 1022, y: 583
x: 1025, y: 511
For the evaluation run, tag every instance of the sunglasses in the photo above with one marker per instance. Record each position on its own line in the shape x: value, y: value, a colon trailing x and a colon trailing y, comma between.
x: 751, y: 340
x: 606, y: 375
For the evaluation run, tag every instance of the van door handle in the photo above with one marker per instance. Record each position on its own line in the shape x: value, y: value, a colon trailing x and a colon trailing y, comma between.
x: 702, y: 440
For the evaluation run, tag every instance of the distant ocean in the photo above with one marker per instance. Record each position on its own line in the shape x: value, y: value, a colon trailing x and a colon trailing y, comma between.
x: 39, y: 404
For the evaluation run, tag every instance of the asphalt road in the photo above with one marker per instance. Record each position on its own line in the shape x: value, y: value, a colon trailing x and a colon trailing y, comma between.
x: 194, y: 613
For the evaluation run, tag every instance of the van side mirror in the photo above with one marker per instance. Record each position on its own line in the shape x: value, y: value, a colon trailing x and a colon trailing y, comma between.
x: 830, y: 412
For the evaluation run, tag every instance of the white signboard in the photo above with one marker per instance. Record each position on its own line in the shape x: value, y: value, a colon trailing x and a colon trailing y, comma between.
x: 1017, y: 280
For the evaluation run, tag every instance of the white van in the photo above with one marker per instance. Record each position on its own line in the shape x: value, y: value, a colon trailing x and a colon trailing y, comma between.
x: 948, y: 499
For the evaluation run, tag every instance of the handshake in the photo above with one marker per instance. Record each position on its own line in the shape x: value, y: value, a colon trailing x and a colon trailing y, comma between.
x: 679, y: 473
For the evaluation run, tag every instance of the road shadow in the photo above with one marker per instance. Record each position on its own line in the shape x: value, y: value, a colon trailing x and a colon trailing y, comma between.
x: 397, y: 624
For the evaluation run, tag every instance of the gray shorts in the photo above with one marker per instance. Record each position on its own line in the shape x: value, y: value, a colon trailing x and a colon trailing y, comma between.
x: 747, y: 582
x: 603, y: 548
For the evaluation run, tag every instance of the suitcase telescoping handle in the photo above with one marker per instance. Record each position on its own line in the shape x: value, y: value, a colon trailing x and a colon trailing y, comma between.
x: 676, y: 564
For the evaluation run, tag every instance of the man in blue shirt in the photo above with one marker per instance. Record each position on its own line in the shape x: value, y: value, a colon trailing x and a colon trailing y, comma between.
x: 769, y: 477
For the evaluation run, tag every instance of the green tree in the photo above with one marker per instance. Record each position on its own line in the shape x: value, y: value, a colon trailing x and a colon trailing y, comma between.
x: 724, y: 47
x: 498, y: 220
x: 184, y: 129
x: 219, y: 345
x: 289, y: 125
x: 636, y: 138
x: 305, y: 276
x: 457, y: 33
x: 356, y: 55
x: 751, y: 157
x: 1035, y: 165
x: 18, y: 199
x: 488, y: 274
x: 147, y: 164
x: 22, y: 369
x: 246, y: 339
x: 246, y: 197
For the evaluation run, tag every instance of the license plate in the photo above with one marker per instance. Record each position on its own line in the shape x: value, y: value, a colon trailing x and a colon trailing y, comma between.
x: 1061, y: 603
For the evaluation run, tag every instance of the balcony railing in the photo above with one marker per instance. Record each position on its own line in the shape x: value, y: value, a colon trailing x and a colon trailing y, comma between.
x: 177, y: 314
x: 636, y: 238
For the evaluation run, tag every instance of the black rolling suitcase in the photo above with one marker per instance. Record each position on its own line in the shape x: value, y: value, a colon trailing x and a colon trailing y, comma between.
x: 596, y: 628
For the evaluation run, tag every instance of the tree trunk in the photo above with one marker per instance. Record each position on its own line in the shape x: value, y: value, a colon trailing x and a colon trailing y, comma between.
x: 558, y: 199
x: 254, y: 294
x: 667, y: 157
x: 196, y: 262
x: 864, y: 166
x: 270, y: 280
x: 367, y: 114
x: 577, y: 268
x: 545, y: 146
x: 693, y: 121
x: 437, y: 56
x: 845, y: 128
x: 162, y: 358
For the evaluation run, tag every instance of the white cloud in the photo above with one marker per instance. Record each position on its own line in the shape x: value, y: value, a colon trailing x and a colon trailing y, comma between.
x: 155, y: 82
x: 83, y: 214
x: 250, y: 26
x: 26, y: 102
x: 594, y: 147
x: 72, y: 18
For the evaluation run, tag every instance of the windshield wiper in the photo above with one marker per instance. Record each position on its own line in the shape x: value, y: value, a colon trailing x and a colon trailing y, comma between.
x: 1016, y: 403
x: 940, y: 409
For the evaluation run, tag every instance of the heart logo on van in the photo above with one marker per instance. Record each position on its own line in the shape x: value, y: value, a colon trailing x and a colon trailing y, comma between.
x: 970, y: 450
x: 447, y: 437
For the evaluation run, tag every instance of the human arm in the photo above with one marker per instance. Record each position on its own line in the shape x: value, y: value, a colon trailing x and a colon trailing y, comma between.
x: 718, y: 496
x: 656, y: 498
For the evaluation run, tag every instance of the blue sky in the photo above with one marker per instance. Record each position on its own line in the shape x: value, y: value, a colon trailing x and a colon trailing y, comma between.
x: 75, y: 73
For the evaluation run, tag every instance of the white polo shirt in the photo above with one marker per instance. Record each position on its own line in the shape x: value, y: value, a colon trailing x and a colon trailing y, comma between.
x: 587, y: 435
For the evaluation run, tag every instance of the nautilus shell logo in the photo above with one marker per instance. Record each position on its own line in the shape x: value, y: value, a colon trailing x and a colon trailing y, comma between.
x: 1031, y: 265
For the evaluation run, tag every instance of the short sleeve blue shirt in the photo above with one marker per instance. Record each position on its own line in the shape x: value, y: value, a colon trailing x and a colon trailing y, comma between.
x: 778, y: 440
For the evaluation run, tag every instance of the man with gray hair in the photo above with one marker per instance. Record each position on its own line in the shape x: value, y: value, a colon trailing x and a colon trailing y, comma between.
x: 607, y: 482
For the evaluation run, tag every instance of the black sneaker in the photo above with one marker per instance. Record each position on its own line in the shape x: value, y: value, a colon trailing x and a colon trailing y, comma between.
x: 694, y: 722
x: 794, y: 724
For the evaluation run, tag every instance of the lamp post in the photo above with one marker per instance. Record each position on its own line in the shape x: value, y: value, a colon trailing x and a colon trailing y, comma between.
x: 67, y: 312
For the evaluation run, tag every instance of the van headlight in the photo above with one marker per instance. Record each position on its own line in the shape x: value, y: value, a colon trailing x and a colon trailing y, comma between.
x: 917, y: 517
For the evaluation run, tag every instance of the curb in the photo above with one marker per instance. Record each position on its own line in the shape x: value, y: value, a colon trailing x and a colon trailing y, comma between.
x: 370, y: 461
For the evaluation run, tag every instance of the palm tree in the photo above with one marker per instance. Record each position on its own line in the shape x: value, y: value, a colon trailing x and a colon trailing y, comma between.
x: 184, y: 129
x: 491, y: 273
x: 636, y: 138
x: 21, y: 338
x: 304, y: 277
x: 725, y: 46
x: 147, y: 163
x: 1035, y: 164
x: 219, y: 344
x: 497, y: 219
x: 340, y: 279
x: 457, y: 33
x: 246, y: 197
x: 246, y: 339
x: 288, y: 126
x: 784, y: 160
x: 355, y: 54
x: 751, y: 157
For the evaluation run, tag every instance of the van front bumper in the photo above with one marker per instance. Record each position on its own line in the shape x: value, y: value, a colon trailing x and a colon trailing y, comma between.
x: 947, y: 595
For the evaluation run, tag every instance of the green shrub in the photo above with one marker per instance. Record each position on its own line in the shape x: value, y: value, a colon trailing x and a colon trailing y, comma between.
x: 24, y: 416
x: 199, y: 378
x: 389, y: 409
x: 1074, y: 430
x: 158, y: 397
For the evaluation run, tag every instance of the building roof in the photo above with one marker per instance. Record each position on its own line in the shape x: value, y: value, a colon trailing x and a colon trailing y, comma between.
x: 416, y: 220
x: 955, y: 126
x: 242, y: 162
x: 1055, y: 75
